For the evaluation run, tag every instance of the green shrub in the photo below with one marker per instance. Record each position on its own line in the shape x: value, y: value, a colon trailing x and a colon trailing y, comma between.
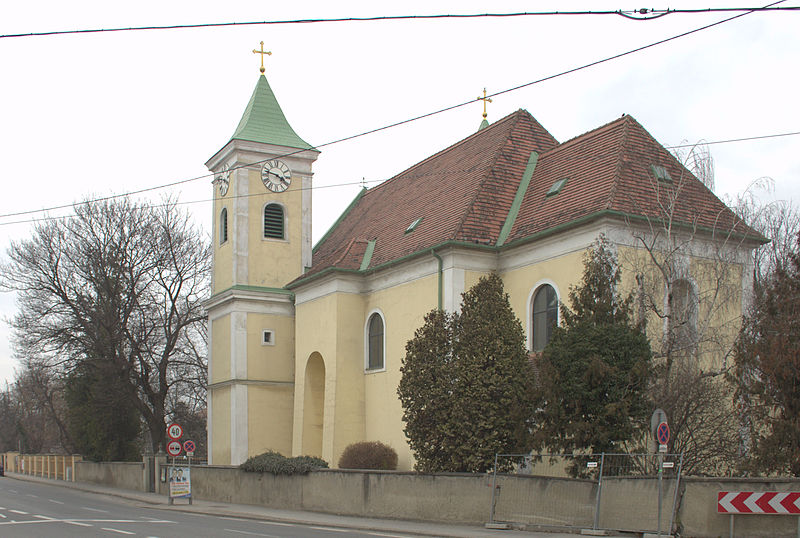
x: 275, y: 463
x: 369, y: 455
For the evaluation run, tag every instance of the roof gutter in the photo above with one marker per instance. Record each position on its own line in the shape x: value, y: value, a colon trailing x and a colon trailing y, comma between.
x: 441, y: 270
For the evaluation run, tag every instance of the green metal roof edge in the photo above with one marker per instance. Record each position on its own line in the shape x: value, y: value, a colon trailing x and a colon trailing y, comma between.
x: 263, y: 120
x: 263, y: 289
x: 396, y: 261
x: 367, y: 255
x: 492, y: 248
x: 484, y: 124
x: 624, y: 216
x: 340, y: 219
x: 518, y: 197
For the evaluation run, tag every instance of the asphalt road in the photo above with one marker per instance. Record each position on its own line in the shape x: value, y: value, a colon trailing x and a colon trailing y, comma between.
x: 30, y: 509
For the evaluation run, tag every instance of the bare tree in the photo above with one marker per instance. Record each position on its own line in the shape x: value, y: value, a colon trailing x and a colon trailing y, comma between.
x: 122, y: 283
x: 691, y: 270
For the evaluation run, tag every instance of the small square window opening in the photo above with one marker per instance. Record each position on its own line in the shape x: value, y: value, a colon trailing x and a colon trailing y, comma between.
x: 268, y: 337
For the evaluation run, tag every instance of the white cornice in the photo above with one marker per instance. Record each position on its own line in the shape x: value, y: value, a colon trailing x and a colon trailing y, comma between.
x: 250, y: 301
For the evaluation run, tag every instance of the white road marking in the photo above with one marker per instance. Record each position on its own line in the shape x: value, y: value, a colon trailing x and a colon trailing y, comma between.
x: 94, y: 509
x: 389, y: 535
x: 252, y: 533
x: 55, y: 501
x: 32, y: 495
x: 19, y: 512
x: 280, y: 524
x: 45, y: 517
x: 109, y: 529
x: 3, y: 516
x: 78, y: 523
x: 330, y: 529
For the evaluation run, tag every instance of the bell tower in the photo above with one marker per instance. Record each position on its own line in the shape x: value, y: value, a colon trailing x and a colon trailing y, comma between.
x: 261, y: 242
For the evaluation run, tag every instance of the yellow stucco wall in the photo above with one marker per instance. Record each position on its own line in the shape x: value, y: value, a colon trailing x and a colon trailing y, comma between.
x: 221, y: 349
x: 273, y: 262
x: 220, y: 407
x: 270, y: 362
x: 718, y: 285
x: 223, y: 262
x: 269, y: 419
x: 561, y: 272
x: 404, y: 308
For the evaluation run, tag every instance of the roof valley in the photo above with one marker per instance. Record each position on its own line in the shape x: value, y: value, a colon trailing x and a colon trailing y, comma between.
x: 459, y: 230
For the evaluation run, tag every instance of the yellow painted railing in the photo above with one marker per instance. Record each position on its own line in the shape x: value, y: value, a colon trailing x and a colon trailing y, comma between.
x: 55, y: 466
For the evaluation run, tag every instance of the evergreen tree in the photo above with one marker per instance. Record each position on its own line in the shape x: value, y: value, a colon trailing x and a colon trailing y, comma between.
x: 465, y: 386
x: 594, y: 373
x: 768, y: 372
x: 102, y: 420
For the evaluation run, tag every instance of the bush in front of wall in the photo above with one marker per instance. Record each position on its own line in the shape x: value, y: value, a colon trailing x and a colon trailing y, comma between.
x: 278, y: 464
x: 369, y: 455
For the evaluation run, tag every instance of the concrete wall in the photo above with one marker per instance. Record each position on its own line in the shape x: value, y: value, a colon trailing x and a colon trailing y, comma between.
x: 698, y: 515
x: 627, y: 504
x: 122, y: 475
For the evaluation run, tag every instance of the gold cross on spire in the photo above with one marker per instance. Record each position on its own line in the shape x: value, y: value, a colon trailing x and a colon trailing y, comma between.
x: 485, y: 100
x: 262, y: 52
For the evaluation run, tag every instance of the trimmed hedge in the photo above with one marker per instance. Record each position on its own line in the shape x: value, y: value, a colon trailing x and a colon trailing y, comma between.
x: 275, y: 463
x: 369, y: 455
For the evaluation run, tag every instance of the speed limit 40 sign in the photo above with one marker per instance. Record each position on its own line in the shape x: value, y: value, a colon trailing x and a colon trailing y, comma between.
x: 174, y: 431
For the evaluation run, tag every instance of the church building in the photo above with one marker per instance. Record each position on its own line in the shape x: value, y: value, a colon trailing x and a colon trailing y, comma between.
x: 306, y: 342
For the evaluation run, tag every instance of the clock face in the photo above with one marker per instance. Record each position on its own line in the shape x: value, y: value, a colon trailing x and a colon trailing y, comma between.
x: 224, y: 180
x: 276, y: 176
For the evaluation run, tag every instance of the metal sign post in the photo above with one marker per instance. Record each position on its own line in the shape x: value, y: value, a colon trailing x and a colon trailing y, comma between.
x: 660, y: 430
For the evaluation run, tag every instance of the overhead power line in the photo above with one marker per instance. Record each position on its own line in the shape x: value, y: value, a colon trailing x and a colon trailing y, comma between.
x: 345, y: 184
x: 406, y: 121
x: 635, y: 14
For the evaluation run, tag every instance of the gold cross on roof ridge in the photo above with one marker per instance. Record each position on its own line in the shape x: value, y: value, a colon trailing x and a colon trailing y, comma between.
x: 485, y: 100
x: 262, y: 52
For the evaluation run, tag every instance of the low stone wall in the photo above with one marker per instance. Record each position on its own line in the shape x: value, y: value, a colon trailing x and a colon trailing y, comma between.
x: 626, y: 504
x: 122, y: 475
x: 401, y: 495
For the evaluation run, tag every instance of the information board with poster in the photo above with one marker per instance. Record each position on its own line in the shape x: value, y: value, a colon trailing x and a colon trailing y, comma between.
x: 180, y: 482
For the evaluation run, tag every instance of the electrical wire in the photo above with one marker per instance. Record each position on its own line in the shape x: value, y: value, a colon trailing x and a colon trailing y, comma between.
x: 317, y: 187
x: 635, y: 14
x: 399, y: 123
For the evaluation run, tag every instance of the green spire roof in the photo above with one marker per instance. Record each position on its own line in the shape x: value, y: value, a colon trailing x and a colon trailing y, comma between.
x: 263, y: 120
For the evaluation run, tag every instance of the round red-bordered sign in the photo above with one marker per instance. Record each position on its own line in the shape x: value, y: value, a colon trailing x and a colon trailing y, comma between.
x: 662, y: 433
x: 188, y: 446
x: 174, y: 431
x: 174, y: 448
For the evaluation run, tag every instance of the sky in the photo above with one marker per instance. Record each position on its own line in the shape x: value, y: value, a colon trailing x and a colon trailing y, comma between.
x: 97, y: 114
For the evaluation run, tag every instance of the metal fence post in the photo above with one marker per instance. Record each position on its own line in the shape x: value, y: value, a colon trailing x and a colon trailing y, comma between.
x: 599, y: 492
x: 494, y: 488
x: 675, y: 494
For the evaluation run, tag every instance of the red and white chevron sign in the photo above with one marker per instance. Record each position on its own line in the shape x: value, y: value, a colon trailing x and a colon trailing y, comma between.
x: 765, y: 502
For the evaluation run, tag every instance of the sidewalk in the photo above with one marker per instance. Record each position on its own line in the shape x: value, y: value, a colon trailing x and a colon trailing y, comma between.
x: 161, y: 502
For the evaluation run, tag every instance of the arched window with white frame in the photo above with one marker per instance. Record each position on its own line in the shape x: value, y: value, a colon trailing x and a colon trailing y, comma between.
x: 544, y: 316
x: 223, y: 225
x: 375, y: 343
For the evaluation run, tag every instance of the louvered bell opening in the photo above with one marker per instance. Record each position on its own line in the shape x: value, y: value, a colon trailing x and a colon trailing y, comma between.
x: 273, y: 221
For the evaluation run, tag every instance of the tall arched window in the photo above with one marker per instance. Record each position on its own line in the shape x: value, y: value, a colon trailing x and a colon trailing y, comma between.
x: 682, y: 321
x: 375, y: 342
x: 544, y: 316
x: 223, y: 225
x: 273, y: 222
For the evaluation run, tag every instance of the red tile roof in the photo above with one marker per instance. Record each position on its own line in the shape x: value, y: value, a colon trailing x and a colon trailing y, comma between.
x: 464, y: 193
